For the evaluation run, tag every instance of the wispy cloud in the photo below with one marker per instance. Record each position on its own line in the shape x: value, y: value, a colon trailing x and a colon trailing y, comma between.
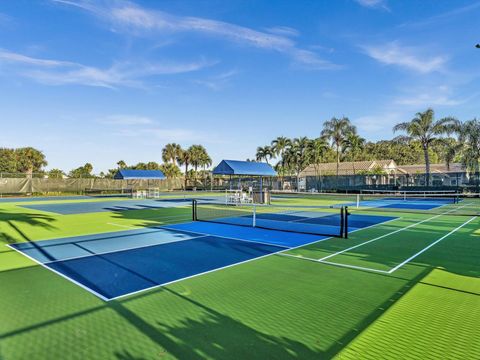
x: 283, y: 31
x: 134, y: 19
x: 446, y: 16
x: 431, y: 96
x: 58, y: 72
x: 375, y: 4
x: 217, y: 82
x: 408, y: 57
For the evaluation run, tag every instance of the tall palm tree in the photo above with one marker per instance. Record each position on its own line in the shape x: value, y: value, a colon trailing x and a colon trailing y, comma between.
x: 171, y: 152
x: 354, y: 145
x: 205, y: 160
x: 426, y: 130
x: 279, y: 145
x: 450, y: 149
x: 185, y: 158
x: 315, y: 153
x: 296, y: 157
x: 469, y: 136
x: 264, y: 153
x: 336, y: 130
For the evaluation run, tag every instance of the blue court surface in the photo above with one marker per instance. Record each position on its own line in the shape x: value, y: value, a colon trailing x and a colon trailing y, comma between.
x: 409, y: 204
x: 117, y: 264
x: 103, y: 206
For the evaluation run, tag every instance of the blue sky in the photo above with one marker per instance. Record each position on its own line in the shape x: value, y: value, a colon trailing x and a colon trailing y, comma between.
x: 101, y: 81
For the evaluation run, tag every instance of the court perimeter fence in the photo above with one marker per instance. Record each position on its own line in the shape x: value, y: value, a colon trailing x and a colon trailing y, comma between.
x: 25, y: 184
x: 12, y: 185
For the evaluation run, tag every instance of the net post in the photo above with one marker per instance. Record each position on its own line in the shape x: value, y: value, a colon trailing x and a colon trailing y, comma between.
x: 345, y: 225
x: 194, y: 210
x: 342, y: 221
x: 254, y: 215
x: 358, y: 200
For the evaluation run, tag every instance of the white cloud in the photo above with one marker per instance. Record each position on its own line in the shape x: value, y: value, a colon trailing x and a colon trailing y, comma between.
x: 134, y: 19
x: 56, y: 72
x: 408, y: 57
x: 217, y: 82
x: 431, y: 96
x: 378, y: 126
x: 378, y: 4
x: 163, y: 134
x: 283, y: 31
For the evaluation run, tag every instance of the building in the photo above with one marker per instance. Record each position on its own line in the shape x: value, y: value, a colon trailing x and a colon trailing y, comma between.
x: 378, y: 173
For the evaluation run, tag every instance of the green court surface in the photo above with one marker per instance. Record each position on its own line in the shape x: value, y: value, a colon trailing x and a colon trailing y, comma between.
x: 405, y: 289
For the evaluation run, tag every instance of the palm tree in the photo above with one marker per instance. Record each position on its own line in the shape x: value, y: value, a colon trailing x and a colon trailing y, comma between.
x: 315, y: 153
x: 170, y: 170
x: 197, y: 153
x: 336, y: 130
x: 171, y: 152
x: 205, y: 160
x: 469, y: 137
x: 354, y: 145
x: 55, y: 174
x: 426, y: 130
x: 279, y: 145
x: 185, y: 158
x: 264, y: 153
x: 295, y: 157
x: 29, y: 160
x: 450, y: 148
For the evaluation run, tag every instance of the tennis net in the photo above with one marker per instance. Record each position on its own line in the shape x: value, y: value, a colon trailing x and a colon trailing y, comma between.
x: 315, y: 220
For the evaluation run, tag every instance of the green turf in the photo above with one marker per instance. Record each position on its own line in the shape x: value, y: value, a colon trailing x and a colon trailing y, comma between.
x: 276, y: 307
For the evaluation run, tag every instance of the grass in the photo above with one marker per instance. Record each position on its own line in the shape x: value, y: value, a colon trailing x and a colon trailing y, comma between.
x: 275, y: 307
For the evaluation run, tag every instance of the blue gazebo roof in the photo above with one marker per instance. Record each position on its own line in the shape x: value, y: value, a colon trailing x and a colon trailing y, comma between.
x: 127, y: 174
x: 236, y: 167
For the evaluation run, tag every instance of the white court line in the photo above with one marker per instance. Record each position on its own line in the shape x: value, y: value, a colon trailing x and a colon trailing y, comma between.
x: 335, y: 264
x: 226, y: 237
x: 120, y: 250
x: 429, y: 246
x: 126, y: 226
x: 60, y: 274
x: 385, y: 235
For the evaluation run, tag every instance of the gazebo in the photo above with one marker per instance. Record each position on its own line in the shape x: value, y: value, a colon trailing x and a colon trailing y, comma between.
x: 148, y: 192
x: 242, y: 169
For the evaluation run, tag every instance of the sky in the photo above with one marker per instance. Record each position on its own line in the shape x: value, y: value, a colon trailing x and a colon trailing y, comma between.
x: 102, y: 81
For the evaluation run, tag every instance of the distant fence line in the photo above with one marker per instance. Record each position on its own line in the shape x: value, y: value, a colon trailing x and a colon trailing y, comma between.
x: 31, y: 185
x: 39, y: 184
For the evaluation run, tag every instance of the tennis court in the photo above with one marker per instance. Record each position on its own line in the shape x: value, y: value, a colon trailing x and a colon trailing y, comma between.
x: 318, y: 275
x: 117, y: 264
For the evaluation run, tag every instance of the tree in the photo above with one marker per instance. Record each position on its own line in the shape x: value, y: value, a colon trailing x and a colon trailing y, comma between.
x: 336, y: 130
x: 121, y: 164
x: 29, y: 160
x: 427, y: 131
x: 280, y: 145
x: 469, y: 137
x: 315, y: 153
x: 184, y: 159
x: 171, y: 152
x: 295, y: 156
x: 84, y: 171
x: 170, y: 170
x: 56, y: 174
x: 264, y: 153
x: 354, y: 145
x: 8, y: 162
